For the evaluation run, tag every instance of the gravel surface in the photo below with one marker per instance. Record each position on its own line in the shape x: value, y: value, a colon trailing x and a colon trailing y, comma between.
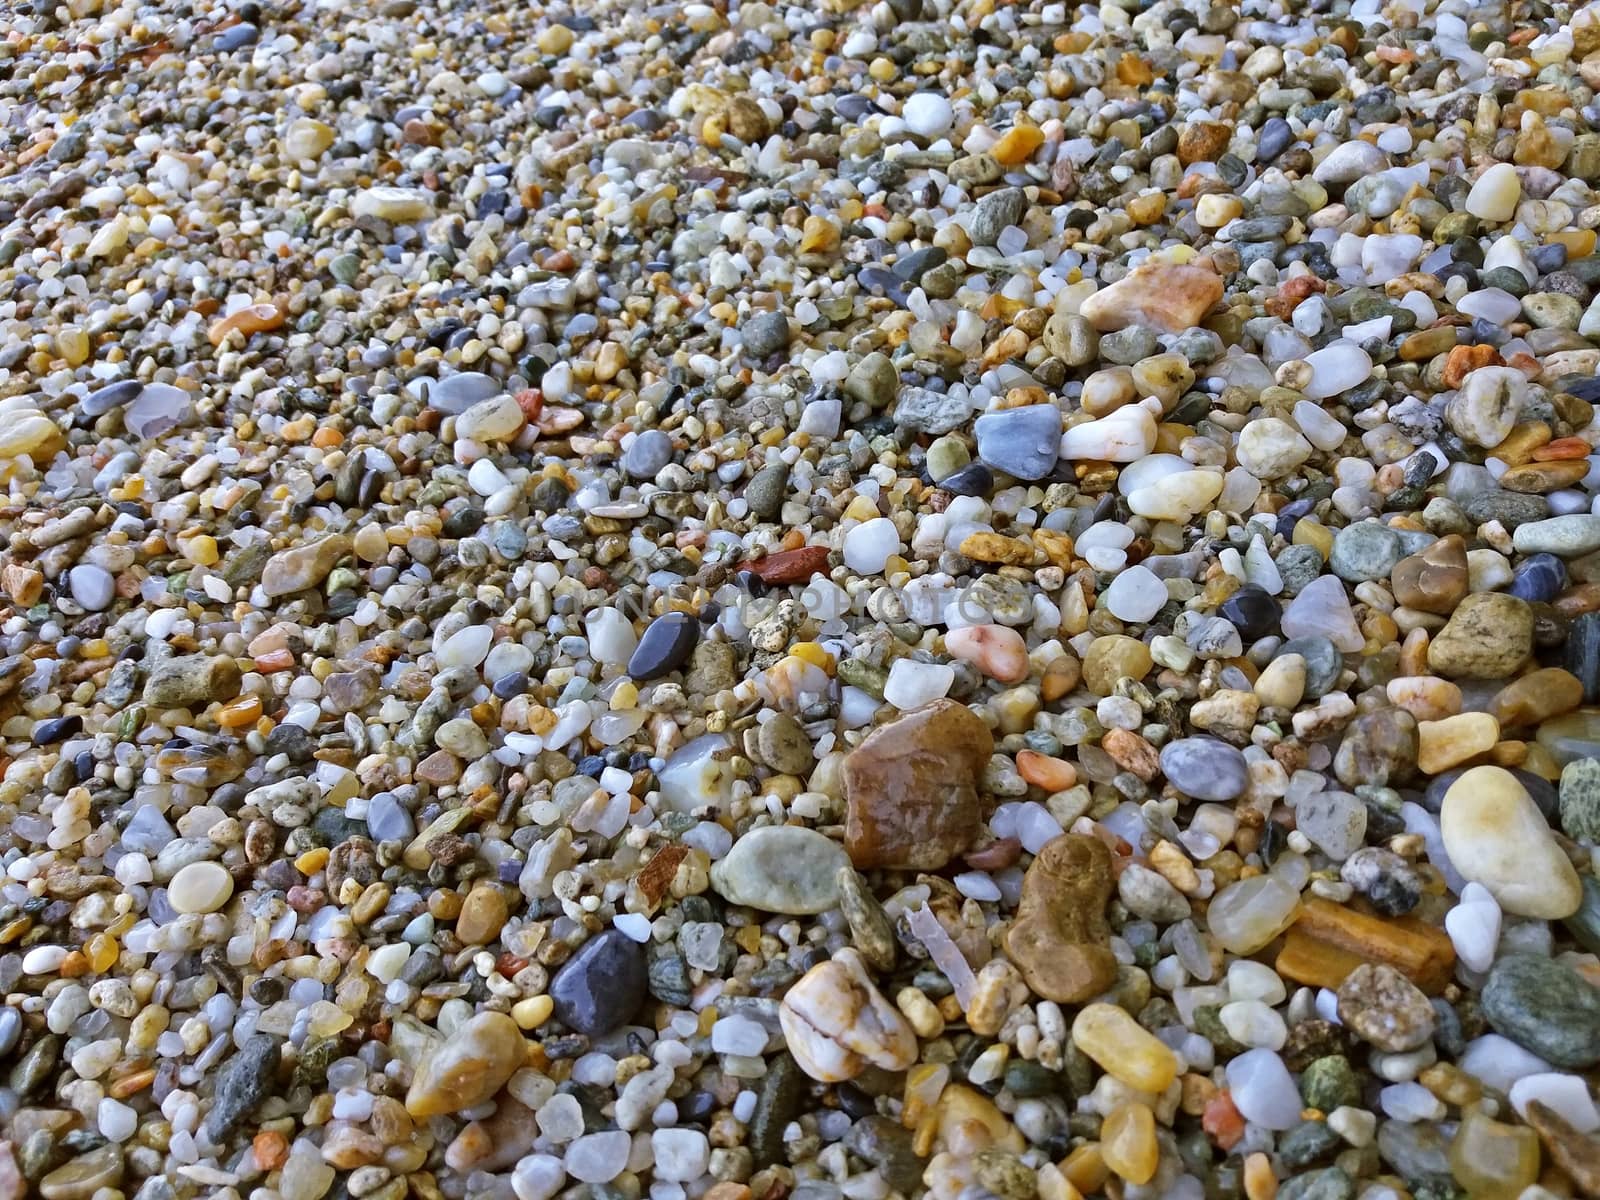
x: 734, y: 602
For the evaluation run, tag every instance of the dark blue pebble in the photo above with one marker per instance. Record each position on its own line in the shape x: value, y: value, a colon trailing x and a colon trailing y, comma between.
x: 974, y: 479
x: 601, y: 986
x: 509, y: 685
x: 1539, y: 578
x: 665, y: 646
x: 56, y: 729
x: 1252, y: 611
x: 1583, y: 654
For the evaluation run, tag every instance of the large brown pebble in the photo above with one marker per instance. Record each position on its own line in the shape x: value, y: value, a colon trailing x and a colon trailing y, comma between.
x: 912, y: 788
x: 1060, y: 941
x: 468, y: 1067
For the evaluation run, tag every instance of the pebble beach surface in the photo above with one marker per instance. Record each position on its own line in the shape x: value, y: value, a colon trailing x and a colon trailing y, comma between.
x: 836, y: 601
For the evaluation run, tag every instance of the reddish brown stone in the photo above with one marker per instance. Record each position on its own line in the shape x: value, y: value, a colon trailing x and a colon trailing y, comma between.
x: 912, y: 788
x: 790, y: 566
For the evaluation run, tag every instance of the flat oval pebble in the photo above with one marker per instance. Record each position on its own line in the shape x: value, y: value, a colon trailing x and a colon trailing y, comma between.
x: 783, y: 869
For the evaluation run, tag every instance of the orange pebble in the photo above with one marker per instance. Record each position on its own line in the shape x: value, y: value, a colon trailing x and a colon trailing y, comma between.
x: 1563, y: 448
x: 256, y: 318
x: 1042, y: 771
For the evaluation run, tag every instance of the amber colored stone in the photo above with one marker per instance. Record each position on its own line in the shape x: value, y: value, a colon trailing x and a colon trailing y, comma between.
x: 483, y: 913
x: 1463, y: 360
x: 1492, y: 1160
x: 912, y: 788
x: 1128, y: 1142
x: 1425, y: 343
x: 468, y: 1067
x: 1546, y: 477
x: 1124, y: 1049
x: 1060, y: 677
x: 1328, y: 941
x: 1522, y: 442
x: 1111, y: 658
x: 1576, y: 601
x: 1017, y: 145
x: 997, y: 548
x: 1536, y: 696
x: 790, y: 566
x: 1452, y: 741
x: 1060, y: 941
x: 1434, y: 579
x: 254, y: 318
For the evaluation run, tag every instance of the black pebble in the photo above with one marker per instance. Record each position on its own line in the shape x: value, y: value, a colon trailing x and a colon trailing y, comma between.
x: 601, y: 986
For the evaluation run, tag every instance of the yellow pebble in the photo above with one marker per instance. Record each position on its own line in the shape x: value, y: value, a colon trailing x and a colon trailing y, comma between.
x: 626, y: 696
x: 201, y: 550
x: 103, y: 951
x: 312, y: 860
x: 1128, y: 1142
x: 532, y: 1012
x: 554, y: 39
x: 1018, y: 145
x: 72, y: 344
x: 1124, y: 1048
x: 814, y: 654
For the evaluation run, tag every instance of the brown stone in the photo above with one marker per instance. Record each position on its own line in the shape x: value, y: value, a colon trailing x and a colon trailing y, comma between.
x: 482, y: 914
x: 746, y: 120
x: 1434, y: 579
x: 1576, y: 1153
x: 1166, y: 297
x: 1463, y: 360
x: 1203, y: 141
x: 912, y: 788
x: 1060, y: 941
x: 1546, y: 477
x: 1538, y: 695
x: 1328, y: 941
x: 1488, y: 637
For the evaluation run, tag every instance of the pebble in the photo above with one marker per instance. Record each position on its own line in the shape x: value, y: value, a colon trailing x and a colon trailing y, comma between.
x: 1546, y: 1008
x: 664, y: 646
x: 782, y: 869
x: 1021, y: 442
x: 911, y: 788
x: 1496, y: 836
x: 1059, y: 940
x: 601, y: 987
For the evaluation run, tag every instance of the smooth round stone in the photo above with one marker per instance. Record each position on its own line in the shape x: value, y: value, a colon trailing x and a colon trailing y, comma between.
x: 781, y: 869
x: 1365, y: 551
x: 112, y: 395
x: 765, y: 334
x: 867, y: 546
x: 766, y: 491
x: 1205, y: 768
x: 1568, y: 536
x: 1495, y: 835
x: 1136, y: 594
x: 84, y: 1176
x: 1322, y: 610
x: 602, y: 986
x: 1495, y: 193
x: 1336, y: 369
x: 1176, y: 497
x: 1252, y: 612
x: 497, y: 419
x: 927, y: 114
x: 1539, y: 579
x: 1580, y: 800
x: 1022, y: 442
x: 1546, y: 1007
x: 665, y: 646
x: 647, y: 454
x: 201, y: 887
